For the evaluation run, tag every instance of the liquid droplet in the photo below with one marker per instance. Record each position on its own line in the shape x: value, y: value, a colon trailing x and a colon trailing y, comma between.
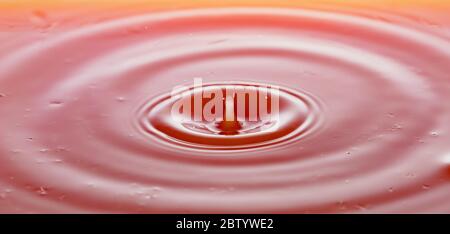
x: 229, y: 127
x: 42, y: 191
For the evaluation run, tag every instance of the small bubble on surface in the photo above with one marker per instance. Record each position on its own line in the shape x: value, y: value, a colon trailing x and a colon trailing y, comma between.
x: 121, y: 99
x: 397, y: 127
x: 44, y: 150
x: 57, y: 161
x: 16, y: 151
x: 434, y: 133
x: 55, y: 104
x: 361, y: 207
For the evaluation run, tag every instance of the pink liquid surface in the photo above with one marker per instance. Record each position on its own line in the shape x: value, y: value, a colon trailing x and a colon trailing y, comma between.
x: 365, y: 114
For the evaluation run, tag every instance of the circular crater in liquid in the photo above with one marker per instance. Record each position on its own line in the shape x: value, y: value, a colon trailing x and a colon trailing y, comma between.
x: 244, y: 124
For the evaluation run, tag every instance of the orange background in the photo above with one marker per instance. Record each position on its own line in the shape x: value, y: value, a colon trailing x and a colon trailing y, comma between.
x: 16, y: 13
